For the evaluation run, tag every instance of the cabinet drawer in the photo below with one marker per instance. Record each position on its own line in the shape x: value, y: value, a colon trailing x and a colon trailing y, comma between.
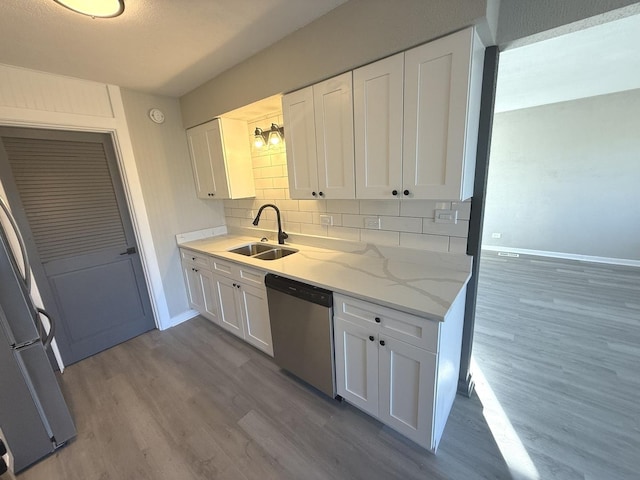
x: 223, y: 267
x: 196, y: 258
x: 413, y: 330
x: 250, y: 276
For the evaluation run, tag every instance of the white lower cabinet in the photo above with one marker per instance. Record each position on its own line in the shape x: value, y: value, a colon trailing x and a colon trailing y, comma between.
x: 231, y: 295
x: 387, y: 364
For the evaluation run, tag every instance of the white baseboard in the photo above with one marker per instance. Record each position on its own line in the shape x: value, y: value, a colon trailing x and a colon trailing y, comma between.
x: 178, y: 319
x: 567, y: 256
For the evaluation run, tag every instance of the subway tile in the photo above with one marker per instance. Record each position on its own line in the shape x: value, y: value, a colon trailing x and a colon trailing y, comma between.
x: 457, y: 245
x: 299, y: 217
x: 264, y: 182
x: 274, y: 193
x: 464, y: 209
x: 233, y: 222
x: 355, y: 221
x: 280, y: 182
x: 311, y: 229
x: 343, y: 206
x: 380, y: 207
x: 275, y: 171
x: 287, y: 204
x: 228, y: 212
x: 401, y: 224
x: 245, y: 203
x: 344, y: 233
x: 422, y: 208
x: 460, y: 229
x: 380, y: 237
x: 312, y: 205
x: 291, y: 227
x: 436, y: 243
x: 278, y: 158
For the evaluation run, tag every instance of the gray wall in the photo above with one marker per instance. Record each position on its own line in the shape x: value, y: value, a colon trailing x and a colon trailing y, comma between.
x: 565, y: 178
x: 162, y: 158
x: 526, y: 21
x: 355, y: 33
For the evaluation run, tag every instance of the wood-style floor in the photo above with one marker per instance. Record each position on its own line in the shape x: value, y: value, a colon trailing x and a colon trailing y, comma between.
x: 558, y: 344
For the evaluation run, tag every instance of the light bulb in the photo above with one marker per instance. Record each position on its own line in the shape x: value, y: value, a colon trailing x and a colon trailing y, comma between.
x: 258, y: 139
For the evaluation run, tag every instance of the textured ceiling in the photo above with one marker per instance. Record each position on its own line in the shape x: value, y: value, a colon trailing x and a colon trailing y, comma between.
x: 595, y: 61
x: 166, y: 47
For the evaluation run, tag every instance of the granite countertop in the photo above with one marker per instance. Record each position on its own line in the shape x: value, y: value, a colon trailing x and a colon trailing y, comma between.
x: 421, y: 283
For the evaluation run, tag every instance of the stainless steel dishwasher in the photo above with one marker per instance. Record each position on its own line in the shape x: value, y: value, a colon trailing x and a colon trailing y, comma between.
x: 302, y: 331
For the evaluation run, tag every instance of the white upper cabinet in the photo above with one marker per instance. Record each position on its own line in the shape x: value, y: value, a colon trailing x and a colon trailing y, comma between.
x: 442, y: 82
x: 377, y: 105
x: 221, y: 159
x: 319, y: 140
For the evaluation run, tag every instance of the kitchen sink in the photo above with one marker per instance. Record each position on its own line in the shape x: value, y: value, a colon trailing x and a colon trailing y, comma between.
x: 252, y: 249
x: 263, y: 251
x: 275, y: 253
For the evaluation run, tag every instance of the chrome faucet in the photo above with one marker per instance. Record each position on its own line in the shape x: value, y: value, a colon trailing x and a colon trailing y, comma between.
x: 281, y: 235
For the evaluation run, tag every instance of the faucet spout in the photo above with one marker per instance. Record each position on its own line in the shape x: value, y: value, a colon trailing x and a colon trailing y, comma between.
x: 281, y: 235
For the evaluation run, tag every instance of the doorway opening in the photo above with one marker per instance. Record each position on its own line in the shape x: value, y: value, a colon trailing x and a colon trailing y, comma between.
x: 557, y: 324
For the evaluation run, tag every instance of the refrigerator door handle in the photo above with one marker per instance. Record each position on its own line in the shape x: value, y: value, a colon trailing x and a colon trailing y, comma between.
x: 46, y: 341
x: 25, y: 259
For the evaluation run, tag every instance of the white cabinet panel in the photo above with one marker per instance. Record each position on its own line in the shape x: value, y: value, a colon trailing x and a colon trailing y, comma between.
x: 300, y: 134
x: 356, y: 365
x: 377, y: 99
x: 209, y: 304
x: 192, y: 282
x: 221, y: 159
x: 407, y: 389
x: 229, y: 315
x: 255, y: 314
x: 333, y: 107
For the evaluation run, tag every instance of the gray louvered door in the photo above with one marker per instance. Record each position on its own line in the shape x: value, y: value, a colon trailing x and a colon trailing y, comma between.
x: 74, y: 214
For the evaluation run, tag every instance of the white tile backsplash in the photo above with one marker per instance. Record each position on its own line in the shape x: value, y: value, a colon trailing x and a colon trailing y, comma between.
x: 407, y: 223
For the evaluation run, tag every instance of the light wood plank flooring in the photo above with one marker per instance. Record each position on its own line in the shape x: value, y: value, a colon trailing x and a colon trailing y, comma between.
x: 194, y: 402
x: 559, y: 343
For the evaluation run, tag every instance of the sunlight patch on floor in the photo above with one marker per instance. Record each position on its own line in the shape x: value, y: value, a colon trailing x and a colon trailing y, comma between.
x: 513, y: 451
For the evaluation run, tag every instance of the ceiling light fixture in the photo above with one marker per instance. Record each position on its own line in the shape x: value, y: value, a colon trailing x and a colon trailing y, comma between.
x: 273, y: 136
x: 94, y: 8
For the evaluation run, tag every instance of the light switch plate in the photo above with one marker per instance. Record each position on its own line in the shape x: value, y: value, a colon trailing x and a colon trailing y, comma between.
x: 446, y: 216
x: 372, y: 222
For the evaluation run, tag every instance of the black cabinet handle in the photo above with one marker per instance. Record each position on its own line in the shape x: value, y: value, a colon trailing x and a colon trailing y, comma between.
x: 195, y: 269
x: 382, y: 342
x: 394, y: 193
x: 371, y: 338
x: 314, y: 194
x: 193, y: 258
x: 238, y: 286
x: 377, y: 319
x: 234, y: 284
x: 406, y: 192
x: 321, y: 194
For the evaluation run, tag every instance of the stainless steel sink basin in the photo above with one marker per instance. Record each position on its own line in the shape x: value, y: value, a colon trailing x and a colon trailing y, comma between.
x: 275, y: 253
x: 252, y: 249
x: 263, y: 251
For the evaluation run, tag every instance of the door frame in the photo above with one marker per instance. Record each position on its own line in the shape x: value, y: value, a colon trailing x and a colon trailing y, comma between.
x: 116, y: 127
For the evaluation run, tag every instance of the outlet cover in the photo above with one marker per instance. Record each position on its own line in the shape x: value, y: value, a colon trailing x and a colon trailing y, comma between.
x: 372, y: 222
x: 326, y: 220
x: 446, y: 216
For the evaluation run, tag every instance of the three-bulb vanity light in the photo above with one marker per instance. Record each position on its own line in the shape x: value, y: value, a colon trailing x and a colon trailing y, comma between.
x: 273, y: 136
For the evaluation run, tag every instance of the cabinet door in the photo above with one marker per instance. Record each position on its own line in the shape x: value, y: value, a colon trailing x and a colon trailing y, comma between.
x: 377, y: 102
x: 300, y: 142
x: 436, y: 96
x: 407, y: 386
x: 207, y: 160
x: 255, y: 316
x: 356, y: 365
x: 333, y: 107
x: 209, y: 304
x: 228, y: 315
x: 194, y: 290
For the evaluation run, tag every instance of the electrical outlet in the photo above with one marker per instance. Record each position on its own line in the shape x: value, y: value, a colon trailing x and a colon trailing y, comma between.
x: 496, y: 235
x: 446, y: 216
x: 372, y: 222
x: 326, y: 220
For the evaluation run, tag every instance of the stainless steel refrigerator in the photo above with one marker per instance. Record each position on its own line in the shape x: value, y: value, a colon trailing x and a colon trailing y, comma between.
x: 34, y: 418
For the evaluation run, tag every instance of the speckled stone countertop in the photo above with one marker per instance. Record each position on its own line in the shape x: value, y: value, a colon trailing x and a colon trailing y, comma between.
x: 419, y: 282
